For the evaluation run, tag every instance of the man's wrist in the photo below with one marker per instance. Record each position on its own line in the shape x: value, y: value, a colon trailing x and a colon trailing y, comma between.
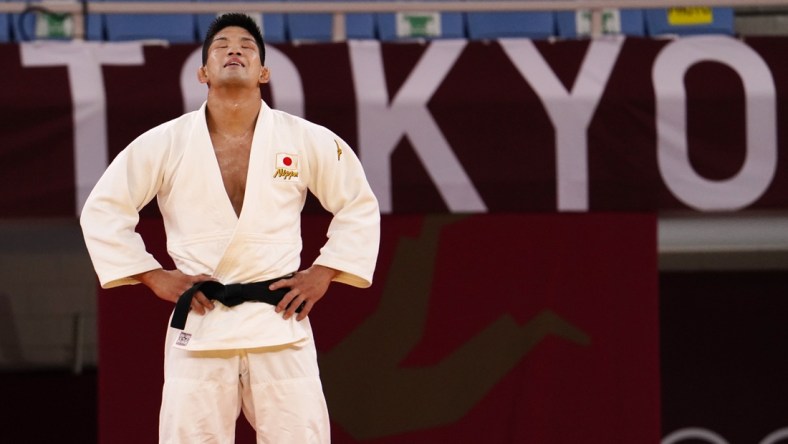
x: 331, y: 273
x: 147, y: 277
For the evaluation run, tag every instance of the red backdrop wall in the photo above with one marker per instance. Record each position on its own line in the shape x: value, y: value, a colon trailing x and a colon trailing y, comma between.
x: 490, y: 328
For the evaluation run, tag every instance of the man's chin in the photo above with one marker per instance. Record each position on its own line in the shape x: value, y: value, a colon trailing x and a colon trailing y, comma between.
x: 234, y: 82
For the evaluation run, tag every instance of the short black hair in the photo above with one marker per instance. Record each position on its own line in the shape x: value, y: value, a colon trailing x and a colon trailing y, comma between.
x: 233, y: 19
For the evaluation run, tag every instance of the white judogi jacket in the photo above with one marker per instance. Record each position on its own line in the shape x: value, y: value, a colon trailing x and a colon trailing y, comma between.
x: 176, y: 162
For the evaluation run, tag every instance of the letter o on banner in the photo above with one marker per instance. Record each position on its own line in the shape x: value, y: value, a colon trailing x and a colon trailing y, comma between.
x: 760, y: 162
x: 693, y: 433
x: 776, y: 436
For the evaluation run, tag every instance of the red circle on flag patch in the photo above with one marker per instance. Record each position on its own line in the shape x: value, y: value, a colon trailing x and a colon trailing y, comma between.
x: 287, y: 161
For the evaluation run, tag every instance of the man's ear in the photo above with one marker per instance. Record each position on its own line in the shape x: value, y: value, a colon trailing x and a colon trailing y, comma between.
x: 265, y: 75
x: 202, y: 74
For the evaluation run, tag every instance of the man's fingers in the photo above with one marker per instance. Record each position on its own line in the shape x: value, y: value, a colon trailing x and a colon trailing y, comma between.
x: 197, y: 307
x: 287, y: 299
x: 281, y: 283
x: 200, y: 303
x: 290, y: 303
x: 305, y: 311
x: 204, y: 301
x: 293, y: 306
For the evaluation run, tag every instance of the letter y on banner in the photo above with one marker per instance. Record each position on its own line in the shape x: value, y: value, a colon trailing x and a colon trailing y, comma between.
x: 570, y: 111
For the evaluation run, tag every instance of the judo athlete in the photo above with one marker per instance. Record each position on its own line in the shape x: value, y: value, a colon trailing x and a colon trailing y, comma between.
x: 231, y: 180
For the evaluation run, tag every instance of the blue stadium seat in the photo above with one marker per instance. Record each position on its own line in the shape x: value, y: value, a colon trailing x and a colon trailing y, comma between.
x: 5, y: 28
x: 175, y: 28
x: 318, y: 27
x: 632, y: 23
x: 451, y: 27
x: 272, y: 25
x: 22, y: 27
x: 94, y: 27
x: 493, y: 25
x: 689, y: 21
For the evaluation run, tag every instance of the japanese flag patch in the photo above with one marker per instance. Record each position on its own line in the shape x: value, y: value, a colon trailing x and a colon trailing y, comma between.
x: 286, y: 167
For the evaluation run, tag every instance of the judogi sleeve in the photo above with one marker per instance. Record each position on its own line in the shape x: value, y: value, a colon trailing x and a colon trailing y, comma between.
x: 337, y: 179
x: 111, y: 213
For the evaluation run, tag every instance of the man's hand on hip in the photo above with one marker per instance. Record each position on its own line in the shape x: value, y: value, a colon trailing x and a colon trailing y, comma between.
x: 171, y: 284
x: 306, y: 287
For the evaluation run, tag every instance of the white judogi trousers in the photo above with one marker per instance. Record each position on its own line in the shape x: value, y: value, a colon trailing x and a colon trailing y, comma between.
x: 278, y: 389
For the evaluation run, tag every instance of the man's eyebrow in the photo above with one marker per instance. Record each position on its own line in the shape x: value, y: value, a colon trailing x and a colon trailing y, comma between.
x: 245, y: 39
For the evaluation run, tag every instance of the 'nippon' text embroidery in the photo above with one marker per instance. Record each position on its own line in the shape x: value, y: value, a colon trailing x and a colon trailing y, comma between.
x: 285, y: 173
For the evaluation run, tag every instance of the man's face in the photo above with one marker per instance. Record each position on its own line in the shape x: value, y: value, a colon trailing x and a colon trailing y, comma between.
x: 233, y: 59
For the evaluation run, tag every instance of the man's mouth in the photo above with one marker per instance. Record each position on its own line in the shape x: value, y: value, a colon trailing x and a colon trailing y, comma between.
x: 234, y: 62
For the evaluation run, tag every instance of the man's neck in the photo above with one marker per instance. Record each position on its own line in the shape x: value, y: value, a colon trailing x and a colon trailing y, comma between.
x: 232, y: 112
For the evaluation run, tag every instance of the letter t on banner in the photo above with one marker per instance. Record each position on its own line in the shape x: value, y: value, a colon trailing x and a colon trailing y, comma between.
x: 88, y: 101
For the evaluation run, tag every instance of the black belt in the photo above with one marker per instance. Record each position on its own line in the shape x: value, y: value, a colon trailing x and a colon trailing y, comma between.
x: 229, y: 295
